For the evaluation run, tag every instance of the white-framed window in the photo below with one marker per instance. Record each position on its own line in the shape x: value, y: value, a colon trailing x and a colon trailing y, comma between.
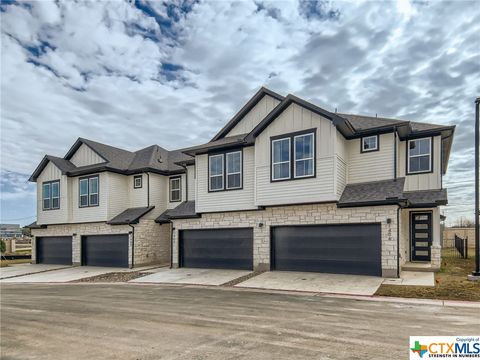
x: 419, y: 155
x: 137, y: 181
x: 234, y: 170
x: 304, y: 155
x: 370, y: 143
x: 175, y: 189
x: 281, y: 159
x: 88, y: 191
x: 215, y: 172
x: 51, y: 195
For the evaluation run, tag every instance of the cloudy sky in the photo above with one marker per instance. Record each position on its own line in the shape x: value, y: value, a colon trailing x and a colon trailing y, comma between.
x: 137, y: 73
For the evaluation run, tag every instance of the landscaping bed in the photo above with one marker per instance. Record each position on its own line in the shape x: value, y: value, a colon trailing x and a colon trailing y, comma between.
x: 4, y: 263
x: 450, y: 283
x: 114, y: 277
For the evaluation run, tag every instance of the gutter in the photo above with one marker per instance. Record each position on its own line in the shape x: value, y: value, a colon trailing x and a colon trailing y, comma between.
x: 171, y: 244
x: 133, y: 244
x: 395, y: 153
x: 148, y: 188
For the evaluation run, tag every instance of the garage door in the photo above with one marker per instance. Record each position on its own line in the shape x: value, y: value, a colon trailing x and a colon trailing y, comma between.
x: 217, y: 249
x: 105, y: 250
x: 338, y: 249
x: 54, y: 250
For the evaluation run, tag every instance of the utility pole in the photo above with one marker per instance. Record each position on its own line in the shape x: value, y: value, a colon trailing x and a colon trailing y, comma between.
x: 476, y: 273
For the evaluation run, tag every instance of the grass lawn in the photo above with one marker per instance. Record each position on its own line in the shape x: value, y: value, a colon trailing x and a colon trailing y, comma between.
x: 4, y: 263
x: 450, y: 283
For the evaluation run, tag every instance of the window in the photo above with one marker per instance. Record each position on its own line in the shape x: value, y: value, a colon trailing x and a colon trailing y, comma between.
x: 281, y: 159
x: 51, y: 195
x: 175, y: 189
x: 216, y: 172
x: 303, y: 155
x: 234, y: 170
x: 137, y: 182
x: 88, y: 191
x: 225, y: 171
x: 370, y: 143
x: 419, y: 155
x: 293, y: 162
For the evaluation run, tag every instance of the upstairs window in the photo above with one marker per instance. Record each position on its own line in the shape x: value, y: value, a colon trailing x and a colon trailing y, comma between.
x: 293, y: 156
x: 225, y: 171
x: 137, y: 181
x: 234, y: 170
x: 369, y: 143
x: 419, y: 156
x: 175, y: 189
x: 215, y: 170
x: 88, y: 191
x: 51, y: 195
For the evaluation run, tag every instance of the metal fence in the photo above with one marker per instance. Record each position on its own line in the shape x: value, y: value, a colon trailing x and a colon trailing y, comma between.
x: 456, y: 247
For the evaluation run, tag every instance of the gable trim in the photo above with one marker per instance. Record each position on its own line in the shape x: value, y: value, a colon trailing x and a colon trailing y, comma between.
x: 77, y: 146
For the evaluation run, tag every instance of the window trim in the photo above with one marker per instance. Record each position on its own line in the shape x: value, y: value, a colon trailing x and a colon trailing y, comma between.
x: 311, y: 158
x: 171, y: 179
x: 135, y: 178
x: 233, y: 173
x: 292, y: 137
x: 49, y: 183
x: 272, y: 167
x: 407, y: 161
x: 224, y: 170
x: 97, y: 176
x: 362, y: 150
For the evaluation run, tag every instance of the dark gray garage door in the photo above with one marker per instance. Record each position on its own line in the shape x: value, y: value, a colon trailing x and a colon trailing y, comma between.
x: 105, y: 250
x: 54, y: 250
x: 338, y: 249
x: 217, y: 249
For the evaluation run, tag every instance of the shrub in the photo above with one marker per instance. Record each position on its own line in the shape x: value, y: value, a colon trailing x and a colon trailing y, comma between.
x: 3, y: 247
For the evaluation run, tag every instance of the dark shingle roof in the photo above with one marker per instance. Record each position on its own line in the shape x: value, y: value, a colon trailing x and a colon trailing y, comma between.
x: 130, y: 216
x: 186, y: 210
x: 427, y: 197
x: 385, y: 191
x: 220, y: 143
x: 34, y: 225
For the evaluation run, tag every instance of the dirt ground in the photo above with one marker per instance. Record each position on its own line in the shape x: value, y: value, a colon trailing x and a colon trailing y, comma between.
x: 113, y: 277
x: 4, y: 263
x: 450, y: 283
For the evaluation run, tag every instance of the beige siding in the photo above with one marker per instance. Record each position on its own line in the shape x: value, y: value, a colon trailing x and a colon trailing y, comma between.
x: 158, y: 195
x: 341, y: 161
x: 85, y: 156
x: 318, y: 189
x: 92, y: 213
x: 191, y: 174
x: 118, y: 194
x: 225, y: 200
x: 137, y: 197
x: 171, y: 205
x: 371, y: 166
x: 421, y: 181
x: 255, y: 115
x: 49, y: 173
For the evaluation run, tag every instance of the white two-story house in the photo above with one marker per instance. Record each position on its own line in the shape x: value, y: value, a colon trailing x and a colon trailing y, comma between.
x: 284, y: 185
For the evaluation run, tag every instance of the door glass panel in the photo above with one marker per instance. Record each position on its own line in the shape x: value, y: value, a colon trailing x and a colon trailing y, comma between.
x: 421, y: 235
x: 421, y: 244
x: 421, y: 226
x: 421, y: 252
x: 421, y: 217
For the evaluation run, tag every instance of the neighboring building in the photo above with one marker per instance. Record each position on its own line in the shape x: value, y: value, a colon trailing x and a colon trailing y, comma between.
x: 465, y: 232
x: 10, y: 231
x: 285, y: 185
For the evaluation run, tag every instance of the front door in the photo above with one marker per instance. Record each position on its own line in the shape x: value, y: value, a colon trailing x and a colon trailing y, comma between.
x: 421, y: 235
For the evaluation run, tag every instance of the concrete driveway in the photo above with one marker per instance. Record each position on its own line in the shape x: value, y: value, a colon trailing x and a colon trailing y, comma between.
x: 25, y: 269
x: 65, y: 274
x: 192, y: 276
x: 315, y: 282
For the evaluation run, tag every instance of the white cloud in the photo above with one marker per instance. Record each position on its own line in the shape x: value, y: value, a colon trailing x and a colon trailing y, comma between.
x: 108, y: 70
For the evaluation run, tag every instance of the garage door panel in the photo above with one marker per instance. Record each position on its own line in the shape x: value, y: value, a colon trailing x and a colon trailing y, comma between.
x: 105, y: 250
x: 54, y: 250
x: 342, y: 249
x: 217, y: 248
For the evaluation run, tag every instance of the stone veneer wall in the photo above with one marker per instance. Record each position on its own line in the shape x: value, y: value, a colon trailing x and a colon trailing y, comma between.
x: 298, y: 215
x: 152, y: 241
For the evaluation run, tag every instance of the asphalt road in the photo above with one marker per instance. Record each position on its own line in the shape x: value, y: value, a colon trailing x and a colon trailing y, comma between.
x: 84, y: 321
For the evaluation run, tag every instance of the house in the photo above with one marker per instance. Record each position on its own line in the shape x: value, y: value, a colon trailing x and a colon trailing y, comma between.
x: 284, y: 185
x: 10, y: 231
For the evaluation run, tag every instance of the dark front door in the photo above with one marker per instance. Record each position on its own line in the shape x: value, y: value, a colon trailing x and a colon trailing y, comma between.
x: 54, y: 250
x: 421, y: 235
x: 217, y: 248
x: 338, y: 249
x: 105, y: 250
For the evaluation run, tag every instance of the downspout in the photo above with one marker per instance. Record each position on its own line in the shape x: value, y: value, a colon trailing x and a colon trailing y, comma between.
x: 476, y: 273
x: 171, y: 244
x: 395, y: 152
x: 133, y: 243
x: 398, y: 241
x: 398, y: 208
x: 148, y: 188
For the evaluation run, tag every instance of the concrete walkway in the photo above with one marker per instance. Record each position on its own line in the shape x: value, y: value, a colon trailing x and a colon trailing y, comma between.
x: 413, y: 278
x: 25, y: 269
x: 315, y: 282
x: 65, y: 275
x: 192, y: 276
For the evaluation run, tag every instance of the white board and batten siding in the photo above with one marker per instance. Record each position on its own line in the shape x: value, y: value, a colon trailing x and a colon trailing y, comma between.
x: 230, y: 200
x: 86, y: 156
x: 427, y: 181
x: 50, y: 173
x: 254, y: 116
x: 371, y: 166
x: 318, y: 189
